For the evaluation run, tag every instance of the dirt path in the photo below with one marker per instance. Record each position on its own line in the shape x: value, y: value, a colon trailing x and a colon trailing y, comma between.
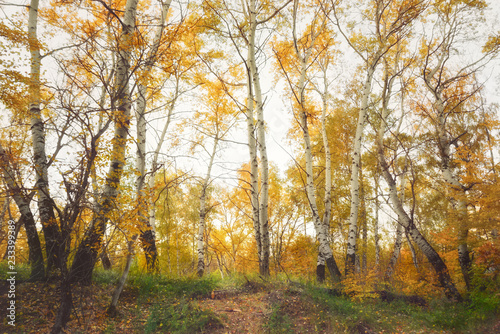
x: 241, y: 313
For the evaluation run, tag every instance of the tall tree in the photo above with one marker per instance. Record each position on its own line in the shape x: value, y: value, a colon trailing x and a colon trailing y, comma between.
x: 50, y: 227
x: 404, y: 219
x: 242, y: 24
x: 85, y: 257
x: 147, y: 235
x: 308, y: 48
x: 390, y: 19
x: 452, y: 91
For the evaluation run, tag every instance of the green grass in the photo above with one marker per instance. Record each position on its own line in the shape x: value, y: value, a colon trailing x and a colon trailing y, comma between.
x: 278, y: 322
x: 22, y: 271
x: 105, y: 277
x: 180, y: 316
x: 189, y: 287
x: 399, y: 316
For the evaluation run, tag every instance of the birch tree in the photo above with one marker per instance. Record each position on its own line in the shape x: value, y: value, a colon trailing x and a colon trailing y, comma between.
x: 240, y: 28
x: 306, y: 49
x: 404, y: 219
x: 212, y: 124
x: 50, y: 227
x: 452, y: 91
x: 87, y: 252
x: 147, y: 235
x: 389, y: 18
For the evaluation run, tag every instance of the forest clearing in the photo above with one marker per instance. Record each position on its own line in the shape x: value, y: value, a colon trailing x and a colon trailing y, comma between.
x: 289, y: 166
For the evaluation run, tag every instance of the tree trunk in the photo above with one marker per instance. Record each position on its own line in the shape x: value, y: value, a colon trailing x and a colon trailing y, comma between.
x: 261, y: 144
x: 363, y: 224
x: 86, y: 255
x: 355, y: 166
x: 407, y: 222
x: 399, y: 232
x: 23, y: 204
x: 321, y: 225
x: 321, y: 232
x: 50, y: 227
x: 105, y: 260
x: 395, y: 252
x: 459, y: 205
x: 253, y: 140
x: 413, y: 253
x: 112, y: 310
x: 376, y: 228
x: 147, y: 235
x: 203, y: 212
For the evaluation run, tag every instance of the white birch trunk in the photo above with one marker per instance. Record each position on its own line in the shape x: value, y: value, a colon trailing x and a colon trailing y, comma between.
x: 154, y: 164
x: 459, y: 203
x: 355, y: 166
x: 377, y: 235
x: 325, y: 254
x: 395, y: 252
x: 112, y: 310
x: 407, y: 222
x: 261, y: 143
x: 444, y: 145
x: 45, y: 204
x: 147, y: 236
x: 254, y: 166
x: 203, y: 212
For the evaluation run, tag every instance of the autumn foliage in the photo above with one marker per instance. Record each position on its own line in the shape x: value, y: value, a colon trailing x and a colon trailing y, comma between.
x: 229, y: 138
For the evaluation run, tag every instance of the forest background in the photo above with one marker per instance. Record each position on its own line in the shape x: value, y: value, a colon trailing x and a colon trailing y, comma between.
x: 357, y: 139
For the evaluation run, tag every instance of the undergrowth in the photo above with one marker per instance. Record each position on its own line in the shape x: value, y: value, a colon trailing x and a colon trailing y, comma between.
x: 180, y: 316
x: 169, y: 306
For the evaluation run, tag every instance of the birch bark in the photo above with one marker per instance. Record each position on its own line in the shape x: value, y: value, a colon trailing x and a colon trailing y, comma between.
x: 86, y: 255
x: 403, y: 218
x: 444, y: 142
x: 355, y: 166
x: 203, y: 212
x: 325, y: 254
x: 261, y: 142
x: 50, y: 227
x: 147, y: 235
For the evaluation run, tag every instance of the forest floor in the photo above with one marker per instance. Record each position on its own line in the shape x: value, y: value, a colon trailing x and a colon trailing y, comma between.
x: 151, y: 305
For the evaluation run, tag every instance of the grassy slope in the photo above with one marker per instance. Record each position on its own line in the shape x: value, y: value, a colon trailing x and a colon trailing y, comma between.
x: 151, y: 304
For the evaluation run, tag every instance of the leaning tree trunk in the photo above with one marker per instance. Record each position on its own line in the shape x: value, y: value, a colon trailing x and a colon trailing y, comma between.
x: 86, y: 255
x: 407, y: 222
x: 23, y: 204
x: 112, y: 310
x: 50, y: 228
